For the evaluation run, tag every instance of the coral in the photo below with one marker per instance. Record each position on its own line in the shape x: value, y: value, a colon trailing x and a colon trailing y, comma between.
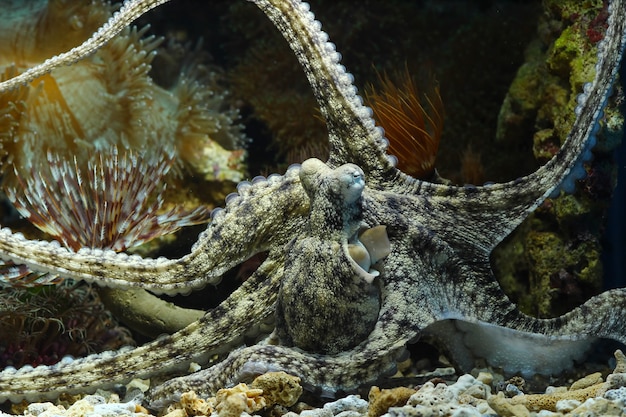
x: 537, y: 266
x: 194, y: 406
x: 542, y: 96
x: 267, y: 390
x: 587, y: 381
x: 505, y: 409
x: 598, y: 407
x: 381, y: 400
x: 537, y: 402
x: 231, y: 402
x: 278, y: 388
x: 552, y: 275
x: 350, y: 406
x: 443, y: 400
x: 88, y: 406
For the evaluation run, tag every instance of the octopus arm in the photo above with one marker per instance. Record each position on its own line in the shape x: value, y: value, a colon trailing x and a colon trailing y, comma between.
x: 217, y: 332
x: 487, y: 214
x: 440, y: 295
x: 475, y: 319
x: 408, y: 305
x: 456, y: 299
x: 353, y: 135
x: 130, y: 10
x: 520, y: 344
x: 221, y: 247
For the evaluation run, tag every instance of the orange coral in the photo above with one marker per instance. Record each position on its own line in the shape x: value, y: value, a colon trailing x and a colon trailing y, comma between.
x: 413, y: 121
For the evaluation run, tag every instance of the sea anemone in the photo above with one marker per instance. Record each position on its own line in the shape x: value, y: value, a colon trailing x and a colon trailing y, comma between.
x: 412, y: 119
x: 108, y: 98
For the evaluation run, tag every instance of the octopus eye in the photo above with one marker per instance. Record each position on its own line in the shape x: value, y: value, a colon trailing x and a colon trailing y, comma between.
x: 358, y: 179
x: 353, y: 181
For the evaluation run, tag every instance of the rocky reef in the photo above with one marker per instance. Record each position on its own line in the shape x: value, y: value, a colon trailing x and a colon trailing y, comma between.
x: 277, y: 393
x: 553, y: 261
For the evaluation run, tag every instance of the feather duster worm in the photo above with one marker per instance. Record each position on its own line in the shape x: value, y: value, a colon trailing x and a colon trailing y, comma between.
x: 413, y: 121
x: 116, y: 202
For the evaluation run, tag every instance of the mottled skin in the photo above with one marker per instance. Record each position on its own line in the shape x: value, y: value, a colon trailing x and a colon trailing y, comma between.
x: 327, y: 303
x: 436, y: 276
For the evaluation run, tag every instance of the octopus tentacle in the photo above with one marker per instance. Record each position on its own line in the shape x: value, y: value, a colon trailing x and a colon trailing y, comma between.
x: 499, y: 208
x: 322, y: 373
x: 218, y: 331
x: 523, y: 344
x: 130, y: 10
x: 353, y: 135
x: 475, y: 319
x: 410, y: 302
x: 467, y: 310
x: 325, y: 374
x: 218, y: 249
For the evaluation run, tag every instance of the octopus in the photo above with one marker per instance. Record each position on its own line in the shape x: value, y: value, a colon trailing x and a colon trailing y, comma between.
x: 362, y: 259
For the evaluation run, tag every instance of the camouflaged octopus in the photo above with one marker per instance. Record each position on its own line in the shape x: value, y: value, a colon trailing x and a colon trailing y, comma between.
x: 330, y: 266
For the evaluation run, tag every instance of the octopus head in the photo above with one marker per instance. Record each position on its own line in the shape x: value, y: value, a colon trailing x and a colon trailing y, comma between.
x: 349, y: 181
x: 346, y: 181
